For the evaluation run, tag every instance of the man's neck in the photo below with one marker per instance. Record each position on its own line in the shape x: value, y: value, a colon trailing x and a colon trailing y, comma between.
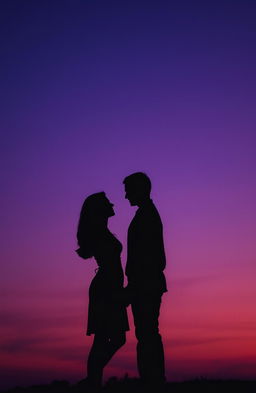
x: 144, y: 202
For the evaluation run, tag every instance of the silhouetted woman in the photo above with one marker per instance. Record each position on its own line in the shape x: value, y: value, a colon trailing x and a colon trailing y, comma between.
x: 107, y: 316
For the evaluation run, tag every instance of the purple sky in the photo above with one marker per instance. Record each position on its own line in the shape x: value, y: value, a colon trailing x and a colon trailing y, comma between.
x: 92, y: 91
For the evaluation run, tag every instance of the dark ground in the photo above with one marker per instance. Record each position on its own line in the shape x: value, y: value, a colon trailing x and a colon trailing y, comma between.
x: 130, y: 385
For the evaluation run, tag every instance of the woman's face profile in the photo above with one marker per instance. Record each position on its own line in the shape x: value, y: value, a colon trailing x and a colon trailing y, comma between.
x: 108, y: 207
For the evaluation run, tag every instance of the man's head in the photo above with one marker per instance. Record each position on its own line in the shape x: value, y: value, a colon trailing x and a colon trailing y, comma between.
x: 137, y: 188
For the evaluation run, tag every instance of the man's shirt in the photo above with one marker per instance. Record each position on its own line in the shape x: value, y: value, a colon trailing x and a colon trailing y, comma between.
x: 145, y: 252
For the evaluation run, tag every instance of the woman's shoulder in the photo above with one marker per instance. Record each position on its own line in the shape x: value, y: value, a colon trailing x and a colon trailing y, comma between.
x: 107, y: 244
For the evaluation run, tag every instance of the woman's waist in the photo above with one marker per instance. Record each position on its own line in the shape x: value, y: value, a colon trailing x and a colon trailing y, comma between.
x: 110, y: 273
x: 101, y: 281
x: 109, y: 268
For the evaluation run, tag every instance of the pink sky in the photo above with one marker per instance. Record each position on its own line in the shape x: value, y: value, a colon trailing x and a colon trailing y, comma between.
x: 92, y: 94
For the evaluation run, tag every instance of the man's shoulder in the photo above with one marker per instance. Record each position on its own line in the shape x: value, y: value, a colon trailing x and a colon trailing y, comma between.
x: 149, y: 214
x: 152, y: 209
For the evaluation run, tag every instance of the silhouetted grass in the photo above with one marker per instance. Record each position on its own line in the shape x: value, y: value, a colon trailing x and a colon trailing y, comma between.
x: 133, y: 385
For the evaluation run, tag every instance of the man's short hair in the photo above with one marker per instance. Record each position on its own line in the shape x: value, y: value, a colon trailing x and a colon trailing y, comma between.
x: 139, y: 181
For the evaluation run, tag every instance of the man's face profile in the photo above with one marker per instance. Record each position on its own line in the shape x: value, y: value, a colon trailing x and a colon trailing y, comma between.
x: 131, y: 195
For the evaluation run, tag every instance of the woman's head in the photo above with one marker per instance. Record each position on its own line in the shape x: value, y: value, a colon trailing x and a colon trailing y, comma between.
x: 95, y: 211
x: 97, y: 207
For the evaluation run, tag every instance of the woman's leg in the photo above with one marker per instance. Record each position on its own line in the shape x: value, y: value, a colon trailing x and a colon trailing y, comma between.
x: 115, y: 342
x: 95, y: 362
x: 103, y: 349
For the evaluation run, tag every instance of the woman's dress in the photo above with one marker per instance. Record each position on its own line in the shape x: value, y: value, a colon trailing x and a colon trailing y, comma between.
x: 106, y: 312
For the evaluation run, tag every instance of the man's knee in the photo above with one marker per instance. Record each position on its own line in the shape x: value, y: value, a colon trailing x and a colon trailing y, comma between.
x: 148, y: 336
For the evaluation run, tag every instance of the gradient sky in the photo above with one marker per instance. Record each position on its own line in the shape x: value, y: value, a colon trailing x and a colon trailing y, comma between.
x: 92, y: 91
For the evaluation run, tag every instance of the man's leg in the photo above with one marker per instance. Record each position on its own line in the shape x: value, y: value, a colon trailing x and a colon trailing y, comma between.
x: 150, y: 352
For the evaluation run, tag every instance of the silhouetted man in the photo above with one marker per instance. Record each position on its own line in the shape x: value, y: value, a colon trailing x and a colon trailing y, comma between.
x: 146, y: 280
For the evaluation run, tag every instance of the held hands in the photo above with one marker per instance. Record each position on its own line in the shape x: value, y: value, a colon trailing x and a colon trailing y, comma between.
x: 122, y: 296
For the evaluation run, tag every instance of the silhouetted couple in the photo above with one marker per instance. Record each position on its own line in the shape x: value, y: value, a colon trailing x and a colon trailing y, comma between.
x: 108, y: 299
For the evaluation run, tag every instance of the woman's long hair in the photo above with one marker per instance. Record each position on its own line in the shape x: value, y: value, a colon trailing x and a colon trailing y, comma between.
x: 89, y: 224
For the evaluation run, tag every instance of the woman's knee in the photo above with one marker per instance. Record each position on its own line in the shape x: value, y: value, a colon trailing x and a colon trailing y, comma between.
x: 100, y: 340
x: 118, y: 341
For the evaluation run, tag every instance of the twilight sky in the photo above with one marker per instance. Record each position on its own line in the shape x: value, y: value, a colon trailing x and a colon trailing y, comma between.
x: 92, y: 91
